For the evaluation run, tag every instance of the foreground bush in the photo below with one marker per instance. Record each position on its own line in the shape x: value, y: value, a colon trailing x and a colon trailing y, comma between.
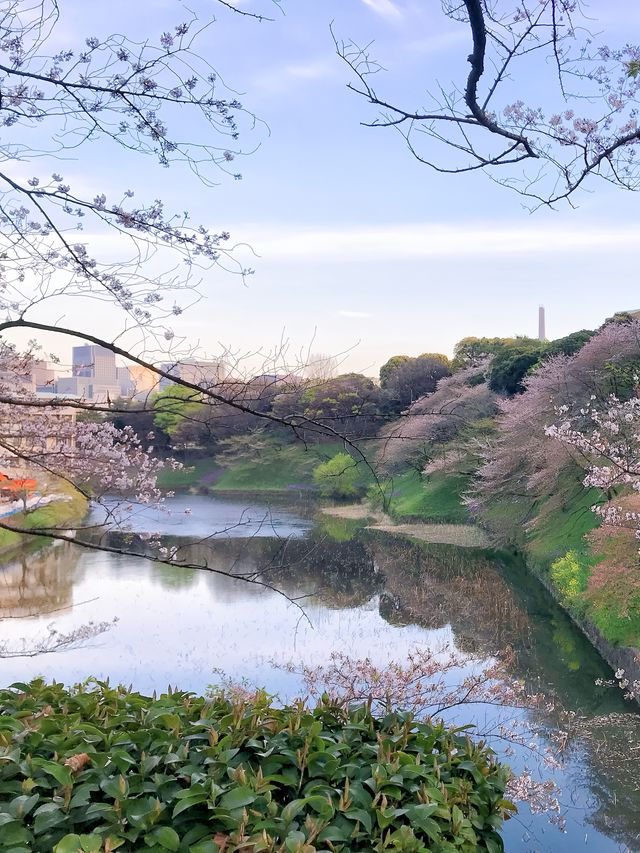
x: 101, y: 769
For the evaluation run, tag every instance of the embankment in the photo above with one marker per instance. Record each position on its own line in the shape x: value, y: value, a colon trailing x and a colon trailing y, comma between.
x: 277, y: 468
x: 590, y: 569
x: 63, y: 513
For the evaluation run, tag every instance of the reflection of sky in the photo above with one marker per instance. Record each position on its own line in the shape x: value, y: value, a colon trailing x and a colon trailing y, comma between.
x: 179, y: 628
x: 196, y: 516
x: 181, y: 635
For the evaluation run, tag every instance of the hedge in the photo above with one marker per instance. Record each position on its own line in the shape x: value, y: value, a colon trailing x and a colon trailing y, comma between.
x: 96, y: 768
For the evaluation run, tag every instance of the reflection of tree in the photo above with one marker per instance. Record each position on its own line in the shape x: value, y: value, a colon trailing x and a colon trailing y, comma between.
x: 613, y: 771
x: 433, y: 586
x: 334, y: 574
x: 38, y: 582
x: 491, y: 607
x: 173, y: 577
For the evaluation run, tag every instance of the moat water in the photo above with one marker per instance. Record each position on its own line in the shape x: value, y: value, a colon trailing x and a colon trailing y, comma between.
x: 346, y: 589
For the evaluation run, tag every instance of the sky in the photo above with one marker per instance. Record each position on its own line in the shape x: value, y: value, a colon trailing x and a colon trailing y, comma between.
x: 358, y: 249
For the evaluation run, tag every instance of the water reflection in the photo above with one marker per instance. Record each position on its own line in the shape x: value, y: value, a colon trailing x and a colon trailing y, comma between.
x: 38, y: 582
x: 197, y: 517
x: 369, y: 594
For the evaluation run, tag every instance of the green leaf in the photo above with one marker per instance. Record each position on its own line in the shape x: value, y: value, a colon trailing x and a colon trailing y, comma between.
x: 472, y: 767
x: 116, y: 787
x: 493, y: 846
x: 15, y: 834
x: 189, y: 802
x: 48, y: 816
x: 321, y: 805
x: 362, y: 817
x: 69, y: 844
x: 60, y: 774
x: 334, y: 833
x: 164, y: 836
x: 420, y: 818
x: 292, y: 809
x: 295, y: 841
x: 10, y: 724
x: 237, y: 798
x: 205, y: 847
x: 22, y: 805
x: 91, y: 843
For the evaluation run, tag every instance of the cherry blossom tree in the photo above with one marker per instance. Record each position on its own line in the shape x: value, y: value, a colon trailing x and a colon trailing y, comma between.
x: 608, y: 439
x: 576, y: 385
x: 586, y: 128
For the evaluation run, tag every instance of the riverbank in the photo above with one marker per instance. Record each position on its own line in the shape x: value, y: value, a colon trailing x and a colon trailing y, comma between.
x: 279, y: 468
x: 587, y: 567
x: 462, y: 535
x: 63, y: 513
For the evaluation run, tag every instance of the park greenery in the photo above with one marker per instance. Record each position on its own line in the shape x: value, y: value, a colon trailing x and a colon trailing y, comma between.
x: 97, y: 768
x: 453, y: 453
x: 339, y: 477
x: 525, y: 437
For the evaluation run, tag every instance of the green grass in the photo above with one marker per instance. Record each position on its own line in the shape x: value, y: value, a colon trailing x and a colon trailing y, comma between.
x: 437, y: 498
x: 191, y: 475
x: 280, y: 468
x: 57, y: 514
x: 562, y: 523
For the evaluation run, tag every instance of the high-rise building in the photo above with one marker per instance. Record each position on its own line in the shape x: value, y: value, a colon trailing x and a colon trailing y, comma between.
x: 95, y: 375
x: 43, y: 375
x: 145, y: 381
x: 125, y: 381
x: 542, y: 332
x: 204, y: 373
x: 96, y: 362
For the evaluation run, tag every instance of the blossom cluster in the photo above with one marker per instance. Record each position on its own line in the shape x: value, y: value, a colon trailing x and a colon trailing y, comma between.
x: 608, y: 438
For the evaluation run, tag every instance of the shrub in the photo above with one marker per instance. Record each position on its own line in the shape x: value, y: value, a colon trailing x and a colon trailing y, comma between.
x: 98, y: 769
x: 569, y: 576
x: 339, y: 477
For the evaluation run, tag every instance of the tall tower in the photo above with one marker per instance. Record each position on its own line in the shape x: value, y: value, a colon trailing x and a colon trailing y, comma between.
x: 542, y: 335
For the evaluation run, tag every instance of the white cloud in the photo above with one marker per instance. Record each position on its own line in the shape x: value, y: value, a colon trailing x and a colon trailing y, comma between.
x: 385, y: 8
x: 395, y: 242
x: 279, y: 80
x: 357, y: 315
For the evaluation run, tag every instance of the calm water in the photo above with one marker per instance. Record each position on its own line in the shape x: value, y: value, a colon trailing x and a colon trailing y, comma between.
x: 367, y: 594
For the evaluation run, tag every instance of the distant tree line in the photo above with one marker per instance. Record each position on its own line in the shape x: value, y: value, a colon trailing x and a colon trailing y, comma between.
x: 350, y: 406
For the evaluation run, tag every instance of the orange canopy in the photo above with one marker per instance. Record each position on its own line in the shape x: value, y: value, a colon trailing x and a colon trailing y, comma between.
x: 14, y: 485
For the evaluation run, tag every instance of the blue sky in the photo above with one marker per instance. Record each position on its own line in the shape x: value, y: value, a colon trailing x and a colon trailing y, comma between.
x: 359, y: 247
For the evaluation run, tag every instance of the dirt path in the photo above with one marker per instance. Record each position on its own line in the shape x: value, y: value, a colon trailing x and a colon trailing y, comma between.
x: 464, y: 535
x: 353, y: 511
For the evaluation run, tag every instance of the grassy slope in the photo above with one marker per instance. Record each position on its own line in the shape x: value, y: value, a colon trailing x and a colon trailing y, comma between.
x: 281, y: 468
x: 562, y: 524
x: 557, y: 525
x: 57, y: 514
x: 434, y: 499
x: 191, y: 475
